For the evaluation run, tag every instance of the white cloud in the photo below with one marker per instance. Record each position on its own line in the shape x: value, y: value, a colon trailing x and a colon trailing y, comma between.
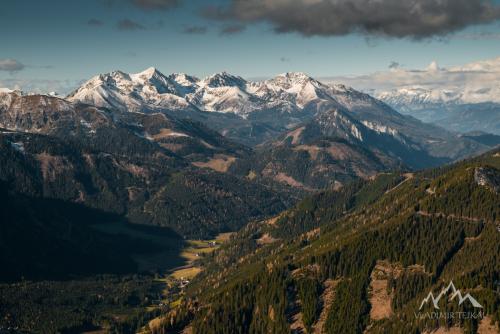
x: 476, y: 82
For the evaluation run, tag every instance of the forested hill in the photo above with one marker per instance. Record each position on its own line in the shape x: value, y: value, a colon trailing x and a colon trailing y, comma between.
x: 120, y: 173
x: 359, y: 260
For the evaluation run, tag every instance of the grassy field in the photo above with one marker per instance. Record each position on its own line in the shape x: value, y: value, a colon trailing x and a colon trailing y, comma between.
x: 173, y: 281
x: 186, y: 273
x: 194, y: 250
x: 174, y: 255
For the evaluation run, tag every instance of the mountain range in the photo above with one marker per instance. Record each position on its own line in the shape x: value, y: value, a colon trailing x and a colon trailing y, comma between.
x: 149, y: 146
x: 321, y: 182
x: 448, y: 108
x: 296, y: 97
x: 255, y: 112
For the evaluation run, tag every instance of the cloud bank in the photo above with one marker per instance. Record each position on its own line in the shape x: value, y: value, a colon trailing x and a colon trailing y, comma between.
x: 476, y: 82
x: 415, y: 19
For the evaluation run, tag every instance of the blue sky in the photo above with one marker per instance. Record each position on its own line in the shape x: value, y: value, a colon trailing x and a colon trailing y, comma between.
x: 55, y: 42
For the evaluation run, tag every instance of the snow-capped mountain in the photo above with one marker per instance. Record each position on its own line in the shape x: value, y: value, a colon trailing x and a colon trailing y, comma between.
x: 150, y: 90
x: 325, y: 127
x: 143, y: 91
x: 455, y: 110
x: 472, y: 83
x: 296, y: 97
x: 418, y: 98
x: 253, y: 112
x: 221, y: 92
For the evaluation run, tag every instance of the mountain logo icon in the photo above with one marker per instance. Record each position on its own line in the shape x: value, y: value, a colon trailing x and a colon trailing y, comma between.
x: 455, y: 294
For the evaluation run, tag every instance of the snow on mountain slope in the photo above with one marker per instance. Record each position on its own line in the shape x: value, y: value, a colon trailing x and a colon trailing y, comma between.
x: 295, y: 97
x: 454, y: 109
x: 338, y: 124
x: 147, y: 90
x: 416, y: 98
x: 222, y: 92
x: 265, y: 107
x: 297, y: 88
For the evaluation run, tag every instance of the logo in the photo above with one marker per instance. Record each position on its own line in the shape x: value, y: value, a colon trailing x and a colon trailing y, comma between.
x: 455, y: 295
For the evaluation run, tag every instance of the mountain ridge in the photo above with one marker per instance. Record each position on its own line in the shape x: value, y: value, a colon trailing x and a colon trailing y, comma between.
x: 447, y: 108
x: 286, y: 263
x: 254, y: 112
x: 268, y: 112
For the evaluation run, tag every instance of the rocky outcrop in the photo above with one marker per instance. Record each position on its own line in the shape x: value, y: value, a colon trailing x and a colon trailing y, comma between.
x: 488, y: 177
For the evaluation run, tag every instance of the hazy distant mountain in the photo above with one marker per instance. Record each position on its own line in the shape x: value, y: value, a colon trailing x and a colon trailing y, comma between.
x: 451, y: 109
x: 408, y: 99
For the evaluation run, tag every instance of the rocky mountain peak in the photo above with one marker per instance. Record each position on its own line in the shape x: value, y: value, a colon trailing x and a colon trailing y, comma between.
x: 149, y: 72
x: 184, y: 79
x: 291, y: 79
x: 224, y: 79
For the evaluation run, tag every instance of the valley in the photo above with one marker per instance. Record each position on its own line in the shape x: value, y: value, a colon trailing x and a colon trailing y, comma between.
x: 359, y: 251
x: 150, y: 203
x: 250, y: 167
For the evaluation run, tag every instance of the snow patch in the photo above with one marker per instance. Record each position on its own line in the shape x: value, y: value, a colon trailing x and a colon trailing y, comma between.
x: 379, y: 128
